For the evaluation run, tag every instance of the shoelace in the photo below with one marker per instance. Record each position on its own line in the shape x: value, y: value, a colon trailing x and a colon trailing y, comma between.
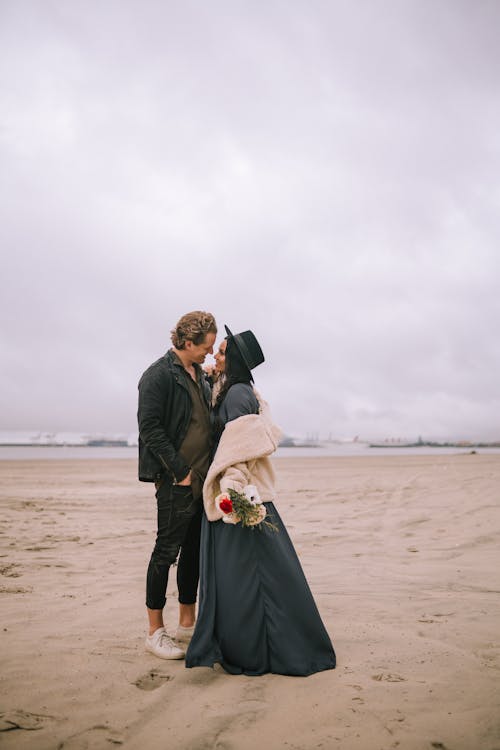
x: 165, y: 640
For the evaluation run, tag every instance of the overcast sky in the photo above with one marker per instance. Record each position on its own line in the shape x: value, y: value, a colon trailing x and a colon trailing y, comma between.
x: 324, y: 173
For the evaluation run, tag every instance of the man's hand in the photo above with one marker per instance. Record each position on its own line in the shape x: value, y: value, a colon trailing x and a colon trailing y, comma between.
x: 186, y: 481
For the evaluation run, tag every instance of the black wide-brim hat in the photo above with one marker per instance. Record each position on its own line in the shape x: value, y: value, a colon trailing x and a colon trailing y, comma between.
x: 248, y: 347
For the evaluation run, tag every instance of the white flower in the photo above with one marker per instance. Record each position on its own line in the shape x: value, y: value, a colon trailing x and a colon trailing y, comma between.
x: 252, y: 494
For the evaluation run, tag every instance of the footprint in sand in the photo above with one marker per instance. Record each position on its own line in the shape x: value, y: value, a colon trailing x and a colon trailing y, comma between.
x: 429, y: 618
x: 152, y: 680
x: 20, y: 719
x: 99, y: 737
x: 9, y: 570
x: 212, y: 738
x: 15, y: 590
x: 388, y: 677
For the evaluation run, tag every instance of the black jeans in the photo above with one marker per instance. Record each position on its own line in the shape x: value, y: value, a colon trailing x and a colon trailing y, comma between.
x: 179, y: 525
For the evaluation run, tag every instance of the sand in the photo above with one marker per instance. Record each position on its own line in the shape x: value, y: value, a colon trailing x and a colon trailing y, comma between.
x: 402, y: 556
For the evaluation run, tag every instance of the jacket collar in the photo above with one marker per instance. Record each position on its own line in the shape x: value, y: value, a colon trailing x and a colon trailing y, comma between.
x: 176, y: 362
x: 180, y: 374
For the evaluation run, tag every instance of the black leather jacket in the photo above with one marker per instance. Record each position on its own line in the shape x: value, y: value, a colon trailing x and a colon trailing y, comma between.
x: 163, y: 415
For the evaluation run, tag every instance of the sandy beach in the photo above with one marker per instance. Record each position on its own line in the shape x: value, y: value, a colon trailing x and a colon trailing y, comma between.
x: 401, y: 553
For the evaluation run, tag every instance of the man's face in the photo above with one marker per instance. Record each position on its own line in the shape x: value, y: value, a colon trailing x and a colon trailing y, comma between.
x: 198, y: 352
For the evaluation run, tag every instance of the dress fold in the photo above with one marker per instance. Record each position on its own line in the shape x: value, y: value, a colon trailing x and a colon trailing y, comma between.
x: 256, y: 610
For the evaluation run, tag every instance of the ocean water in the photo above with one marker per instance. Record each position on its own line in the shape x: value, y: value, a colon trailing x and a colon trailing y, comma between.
x: 38, y: 452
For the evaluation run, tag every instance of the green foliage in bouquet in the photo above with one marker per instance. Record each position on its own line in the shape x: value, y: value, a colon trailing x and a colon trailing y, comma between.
x: 252, y: 516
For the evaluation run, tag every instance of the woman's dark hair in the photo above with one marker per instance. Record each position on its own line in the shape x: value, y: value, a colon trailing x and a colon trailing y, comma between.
x: 236, y: 370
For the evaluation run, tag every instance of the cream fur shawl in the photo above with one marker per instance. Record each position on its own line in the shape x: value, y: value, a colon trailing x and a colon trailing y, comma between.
x: 242, y: 458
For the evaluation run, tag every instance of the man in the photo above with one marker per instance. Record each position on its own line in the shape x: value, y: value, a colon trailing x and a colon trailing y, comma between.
x: 174, y: 452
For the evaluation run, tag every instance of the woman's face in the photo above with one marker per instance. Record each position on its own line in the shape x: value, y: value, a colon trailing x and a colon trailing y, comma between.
x: 220, y: 357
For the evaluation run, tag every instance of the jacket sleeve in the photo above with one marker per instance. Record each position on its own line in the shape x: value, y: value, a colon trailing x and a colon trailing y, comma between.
x: 153, y: 394
x: 236, y: 477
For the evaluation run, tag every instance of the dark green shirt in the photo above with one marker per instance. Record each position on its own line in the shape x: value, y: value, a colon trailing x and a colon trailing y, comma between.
x: 196, y: 446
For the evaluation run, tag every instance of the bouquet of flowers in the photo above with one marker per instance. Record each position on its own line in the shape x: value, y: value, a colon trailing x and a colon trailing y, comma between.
x: 245, y: 507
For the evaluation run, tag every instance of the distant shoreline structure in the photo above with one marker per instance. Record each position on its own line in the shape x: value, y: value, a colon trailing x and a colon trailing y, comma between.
x: 434, y: 444
x: 289, y: 442
x: 65, y: 440
x: 88, y: 444
x: 311, y: 442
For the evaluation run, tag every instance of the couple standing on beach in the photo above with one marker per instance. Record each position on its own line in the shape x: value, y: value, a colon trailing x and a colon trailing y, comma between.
x: 205, y: 441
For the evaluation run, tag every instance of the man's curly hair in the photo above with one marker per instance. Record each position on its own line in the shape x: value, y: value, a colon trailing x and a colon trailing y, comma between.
x: 193, y: 326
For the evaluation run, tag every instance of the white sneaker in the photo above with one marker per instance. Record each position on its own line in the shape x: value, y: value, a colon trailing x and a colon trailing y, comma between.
x: 160, y: 644
x: 184, y: 635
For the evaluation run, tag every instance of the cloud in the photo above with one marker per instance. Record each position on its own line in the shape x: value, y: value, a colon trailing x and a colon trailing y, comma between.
x: 326, y: 175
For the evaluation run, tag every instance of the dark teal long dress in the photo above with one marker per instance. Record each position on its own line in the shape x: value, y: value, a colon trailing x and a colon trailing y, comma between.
x: 256, y: 611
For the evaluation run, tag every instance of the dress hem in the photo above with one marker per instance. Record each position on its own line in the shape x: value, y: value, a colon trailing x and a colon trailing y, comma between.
x: 251, y: 673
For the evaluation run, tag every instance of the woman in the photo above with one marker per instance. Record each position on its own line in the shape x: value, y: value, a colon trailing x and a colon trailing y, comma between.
x: 256, y: 613
x: 215, y: 373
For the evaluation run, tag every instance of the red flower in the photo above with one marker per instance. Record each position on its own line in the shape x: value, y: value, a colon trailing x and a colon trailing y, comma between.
x: 226, y: 505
